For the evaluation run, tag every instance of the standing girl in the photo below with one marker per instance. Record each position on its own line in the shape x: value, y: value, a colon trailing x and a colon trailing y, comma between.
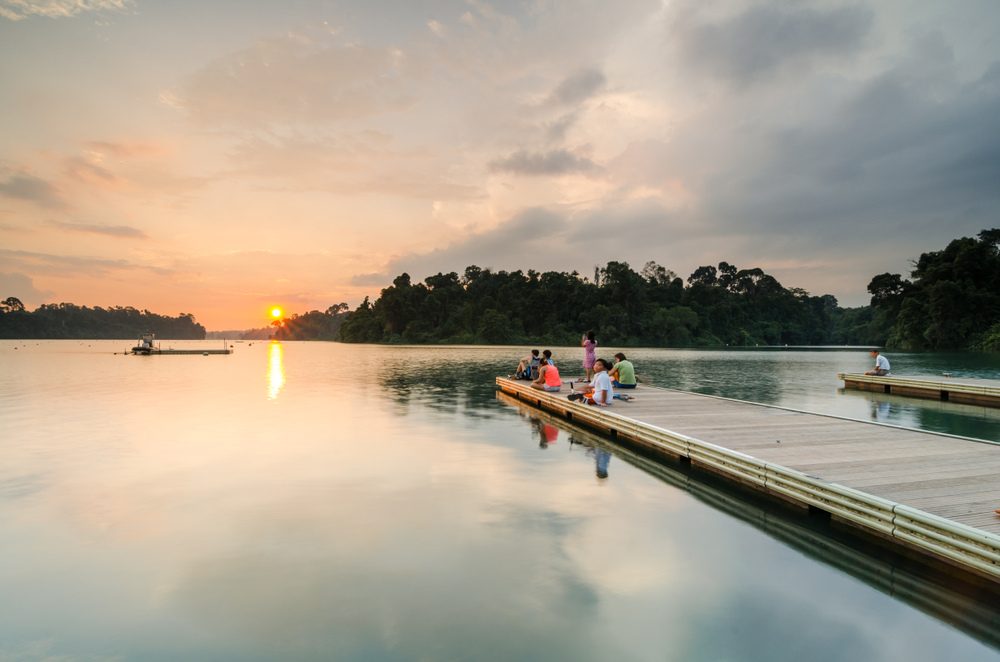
x: 589, y: 353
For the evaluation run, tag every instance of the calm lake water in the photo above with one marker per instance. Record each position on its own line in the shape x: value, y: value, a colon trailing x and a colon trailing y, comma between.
x: 317, y: 501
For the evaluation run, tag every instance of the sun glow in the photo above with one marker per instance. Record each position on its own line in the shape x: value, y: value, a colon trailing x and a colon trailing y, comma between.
x: 276, y: 312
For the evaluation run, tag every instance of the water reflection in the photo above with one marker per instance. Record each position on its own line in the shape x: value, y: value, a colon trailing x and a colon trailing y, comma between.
x: 880, y: 410
x: 547, y: 434
x: 340, y: 531
x: 275, y: 371
x: 601, y: 460
x: 955, y: 418
x: 969, y: 606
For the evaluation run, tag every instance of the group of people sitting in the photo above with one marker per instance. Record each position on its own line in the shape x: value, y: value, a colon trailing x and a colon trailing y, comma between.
x: 608, y: 375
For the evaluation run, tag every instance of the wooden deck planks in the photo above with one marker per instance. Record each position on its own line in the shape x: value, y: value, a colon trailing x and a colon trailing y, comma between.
x: 950, y: 477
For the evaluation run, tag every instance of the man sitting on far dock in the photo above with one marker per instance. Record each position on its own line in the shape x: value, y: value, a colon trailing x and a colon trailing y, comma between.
x: 600, y: 391
x: 881, y: 365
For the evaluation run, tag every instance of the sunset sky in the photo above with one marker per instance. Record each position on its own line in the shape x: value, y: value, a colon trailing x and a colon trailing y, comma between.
x: 220, y: 158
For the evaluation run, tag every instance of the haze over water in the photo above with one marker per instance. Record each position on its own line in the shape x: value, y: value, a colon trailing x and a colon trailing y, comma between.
x: 326, y: 501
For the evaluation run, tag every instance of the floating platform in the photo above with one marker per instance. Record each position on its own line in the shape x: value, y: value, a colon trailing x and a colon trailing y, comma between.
x: 930, y: 492
x: 150, y: 352
x: 984, y: 392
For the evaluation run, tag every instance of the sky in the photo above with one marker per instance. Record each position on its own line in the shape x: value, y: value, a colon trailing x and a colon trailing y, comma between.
x: 220, y: 158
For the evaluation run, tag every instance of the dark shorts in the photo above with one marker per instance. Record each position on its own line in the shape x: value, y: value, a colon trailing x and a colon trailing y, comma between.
x: 614, y: 382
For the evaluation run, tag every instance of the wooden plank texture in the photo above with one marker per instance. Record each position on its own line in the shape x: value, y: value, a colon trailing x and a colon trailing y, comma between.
x: 943, y: 475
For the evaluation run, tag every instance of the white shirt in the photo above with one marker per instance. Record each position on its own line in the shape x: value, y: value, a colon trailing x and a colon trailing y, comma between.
x: 603, y: 383
x: 881, y: 363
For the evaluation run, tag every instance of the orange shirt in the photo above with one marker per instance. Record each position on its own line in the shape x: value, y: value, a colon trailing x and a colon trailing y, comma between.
x: 552, y: 376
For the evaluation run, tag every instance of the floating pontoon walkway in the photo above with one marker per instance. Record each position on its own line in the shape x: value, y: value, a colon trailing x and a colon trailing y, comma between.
x: 931, y: 492
x: 985, y: 392
x: 157, y: 352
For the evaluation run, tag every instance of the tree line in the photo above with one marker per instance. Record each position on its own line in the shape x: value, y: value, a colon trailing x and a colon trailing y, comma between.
x: 950, y: 301
x: 653, y: 307
x: 66, y: 320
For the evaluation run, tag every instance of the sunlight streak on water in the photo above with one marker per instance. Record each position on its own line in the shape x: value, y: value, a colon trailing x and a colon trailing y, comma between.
x: 275, y: 371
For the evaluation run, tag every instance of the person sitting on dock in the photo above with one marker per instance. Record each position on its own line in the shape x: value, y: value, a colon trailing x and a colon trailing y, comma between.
x: 527, y: 366
x: 598, y: 392
x: 881, y: 365
x: 622, y: 374
x: 548, y: 378
x: 547, y: 355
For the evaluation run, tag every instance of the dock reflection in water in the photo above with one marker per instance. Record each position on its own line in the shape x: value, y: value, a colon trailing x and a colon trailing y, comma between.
x: 938, y: 416
x: 971, y: 608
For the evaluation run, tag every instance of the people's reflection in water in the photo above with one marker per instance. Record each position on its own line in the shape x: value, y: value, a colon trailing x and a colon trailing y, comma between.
x: 880, y: 410
x: 275, y: 371
x: 601, y: 459
x: 549, y: 435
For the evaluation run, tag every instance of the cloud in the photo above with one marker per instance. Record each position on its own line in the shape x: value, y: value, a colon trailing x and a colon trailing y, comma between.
x: 555, y: 131
x: 124, y: 231
x: 125, y: 150
x: 515, y: 244
x: 293, y: 79
x: 765, y: 38
x: 22, y: 287
x: 543, y: 239
x: 372, y: 279
x: 22, y: 186
x: 554, y: 162
x: 70, y: 265
x: 578, y: 88
x: 351, y: 164
x: 90, y: 171
x: 16, y: 10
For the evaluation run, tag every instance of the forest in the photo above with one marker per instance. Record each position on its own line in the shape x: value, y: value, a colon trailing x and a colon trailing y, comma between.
x: 65, y: 320
x: 950, y: 301
x: 653, y: 307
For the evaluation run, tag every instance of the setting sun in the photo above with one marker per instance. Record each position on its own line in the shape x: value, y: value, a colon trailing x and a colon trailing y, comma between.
x: 276, y: 312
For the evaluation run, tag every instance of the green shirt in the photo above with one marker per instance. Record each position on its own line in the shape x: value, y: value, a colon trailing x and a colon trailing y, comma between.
x: 626, y: 373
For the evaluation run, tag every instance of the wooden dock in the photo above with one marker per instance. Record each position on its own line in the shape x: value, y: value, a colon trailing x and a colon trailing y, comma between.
x: 931, y: 492
x: 984, y: 392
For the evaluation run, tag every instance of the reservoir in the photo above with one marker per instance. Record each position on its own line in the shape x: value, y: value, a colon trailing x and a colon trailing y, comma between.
x: 317, y: 501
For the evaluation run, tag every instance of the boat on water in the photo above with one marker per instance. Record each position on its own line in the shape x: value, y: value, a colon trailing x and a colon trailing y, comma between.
x: 148, y: 346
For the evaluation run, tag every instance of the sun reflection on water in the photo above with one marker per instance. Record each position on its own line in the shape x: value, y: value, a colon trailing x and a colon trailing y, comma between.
x: 275, y: 372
